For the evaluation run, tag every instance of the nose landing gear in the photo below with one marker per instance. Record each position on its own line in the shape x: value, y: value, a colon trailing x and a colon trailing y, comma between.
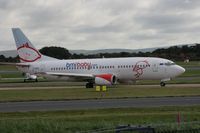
x: 162, y: 84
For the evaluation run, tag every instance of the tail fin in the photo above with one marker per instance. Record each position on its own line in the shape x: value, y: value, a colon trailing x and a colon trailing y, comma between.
x: 25, y: 49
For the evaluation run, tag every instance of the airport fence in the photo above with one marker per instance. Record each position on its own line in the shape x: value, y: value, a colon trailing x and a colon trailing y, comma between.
x: 184, y: 127
x: 133, y: 129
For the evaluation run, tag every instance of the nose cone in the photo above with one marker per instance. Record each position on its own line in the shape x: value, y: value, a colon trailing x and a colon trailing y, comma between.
x: 180, y: 70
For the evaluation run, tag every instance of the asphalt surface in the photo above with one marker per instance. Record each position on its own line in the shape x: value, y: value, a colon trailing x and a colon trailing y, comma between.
x: 97, y: 104
x: 47, y: 85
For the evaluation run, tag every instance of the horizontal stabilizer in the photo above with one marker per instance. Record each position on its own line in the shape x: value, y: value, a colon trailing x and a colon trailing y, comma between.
x: 14, y: 64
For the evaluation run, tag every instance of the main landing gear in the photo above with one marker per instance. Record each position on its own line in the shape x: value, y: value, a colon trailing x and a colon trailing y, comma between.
x: 36, y: 80
x: 89, y: 85
x: 162, y: 84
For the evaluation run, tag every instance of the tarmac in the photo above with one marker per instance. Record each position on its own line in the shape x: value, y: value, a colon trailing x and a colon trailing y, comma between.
x: 98, y: 104
x: 22, y: 86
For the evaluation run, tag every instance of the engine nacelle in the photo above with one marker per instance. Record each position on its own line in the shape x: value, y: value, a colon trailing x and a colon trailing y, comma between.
x: 105, y: 79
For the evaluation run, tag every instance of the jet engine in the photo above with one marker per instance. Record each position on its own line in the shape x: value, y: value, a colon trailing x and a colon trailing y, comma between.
x: 105, y: 79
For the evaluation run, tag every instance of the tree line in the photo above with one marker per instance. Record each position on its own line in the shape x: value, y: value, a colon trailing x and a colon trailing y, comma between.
x: 176, y: 53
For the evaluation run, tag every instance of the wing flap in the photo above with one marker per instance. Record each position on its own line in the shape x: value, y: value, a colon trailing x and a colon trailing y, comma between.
x: 71, y: 74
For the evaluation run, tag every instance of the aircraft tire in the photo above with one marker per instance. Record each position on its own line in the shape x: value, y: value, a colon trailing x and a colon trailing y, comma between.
x: 89, y: 85
x: 162, y: 84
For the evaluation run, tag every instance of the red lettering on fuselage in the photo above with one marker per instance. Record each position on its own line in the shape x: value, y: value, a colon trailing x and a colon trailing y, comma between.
x: 139, y: 68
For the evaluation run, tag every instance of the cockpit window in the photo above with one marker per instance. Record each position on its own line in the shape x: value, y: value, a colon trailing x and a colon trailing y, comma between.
x: 170, y: 63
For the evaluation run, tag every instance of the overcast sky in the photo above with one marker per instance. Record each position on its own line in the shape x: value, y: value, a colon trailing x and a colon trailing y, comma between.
x: 101, y: 24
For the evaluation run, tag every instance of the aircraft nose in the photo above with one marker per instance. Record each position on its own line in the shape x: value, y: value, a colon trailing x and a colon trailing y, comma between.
x: 180, y: 70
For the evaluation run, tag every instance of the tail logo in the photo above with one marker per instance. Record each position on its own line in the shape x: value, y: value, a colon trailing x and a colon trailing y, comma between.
x: 27, y: 53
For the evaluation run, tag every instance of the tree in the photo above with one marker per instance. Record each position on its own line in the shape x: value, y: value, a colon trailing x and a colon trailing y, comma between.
x: 56, y: 52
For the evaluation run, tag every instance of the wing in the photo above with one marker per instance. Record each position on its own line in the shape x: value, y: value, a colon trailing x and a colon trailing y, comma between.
x: 101, y: 79
x: 73, y: 75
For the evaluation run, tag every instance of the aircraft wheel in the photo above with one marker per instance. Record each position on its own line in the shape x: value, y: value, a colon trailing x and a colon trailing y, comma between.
x: 162, y: 84
x: 36, y: 80
x: 89, y: 85
x: 24, y: 80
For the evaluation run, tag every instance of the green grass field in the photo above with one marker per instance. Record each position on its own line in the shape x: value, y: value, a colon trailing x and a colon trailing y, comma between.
x: 88, y: 120
x: 182, y: 80
x: 190, y: 76
x: 191, y: 63
x: 189, y: 72
x: 76, y: 92
x: 7, y: 67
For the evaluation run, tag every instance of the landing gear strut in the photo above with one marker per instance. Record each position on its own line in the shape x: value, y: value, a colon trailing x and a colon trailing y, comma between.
x: 89, y: 85
x: 162, y: 84
x: 36, y: 80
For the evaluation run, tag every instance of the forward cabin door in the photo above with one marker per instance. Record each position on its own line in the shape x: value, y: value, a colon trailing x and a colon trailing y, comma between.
x: 155, y: 68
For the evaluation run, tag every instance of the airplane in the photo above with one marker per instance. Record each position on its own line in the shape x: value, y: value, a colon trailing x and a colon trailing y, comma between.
x: 101, y: 71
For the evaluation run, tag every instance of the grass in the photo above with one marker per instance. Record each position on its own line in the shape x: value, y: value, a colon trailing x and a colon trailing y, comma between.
x: 191, y: 73
x: 191, y: 63
x: 190, y: 76
x: 180, y: 80
x: 84, y: 120
x: 54, y: 92
x: 121, y: 91
x: 7, y: 67
x: 11, y: 72
x: 12, y: 75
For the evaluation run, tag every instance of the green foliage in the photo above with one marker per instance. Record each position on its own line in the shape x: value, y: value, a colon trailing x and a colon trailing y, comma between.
x: 174, y: 53
x: 179, y: 53
x: 56, y: 52
x: 9, y: 59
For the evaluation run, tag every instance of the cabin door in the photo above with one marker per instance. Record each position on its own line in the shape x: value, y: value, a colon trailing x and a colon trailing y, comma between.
x: 155, y: 68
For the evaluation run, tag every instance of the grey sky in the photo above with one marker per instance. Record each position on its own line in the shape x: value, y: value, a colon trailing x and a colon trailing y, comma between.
x: 100, y: 24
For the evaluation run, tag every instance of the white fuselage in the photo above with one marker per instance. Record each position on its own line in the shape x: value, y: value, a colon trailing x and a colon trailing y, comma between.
x: 125, y: 69
x: 105, y: 71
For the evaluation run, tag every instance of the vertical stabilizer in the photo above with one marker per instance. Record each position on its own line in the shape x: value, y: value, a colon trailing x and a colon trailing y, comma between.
x: 25, y: 49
